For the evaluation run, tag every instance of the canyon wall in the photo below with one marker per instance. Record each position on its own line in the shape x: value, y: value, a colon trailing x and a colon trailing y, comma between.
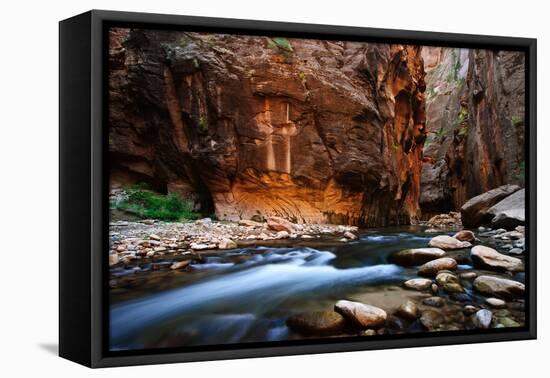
x: 475, y: 106
x: 248, y: 127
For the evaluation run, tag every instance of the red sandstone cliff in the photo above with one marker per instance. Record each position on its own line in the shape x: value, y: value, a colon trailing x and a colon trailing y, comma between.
x: 475, y: 106
x: 315, y: 131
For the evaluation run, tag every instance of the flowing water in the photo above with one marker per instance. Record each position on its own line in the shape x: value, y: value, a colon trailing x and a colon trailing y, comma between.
x: 246, y: 294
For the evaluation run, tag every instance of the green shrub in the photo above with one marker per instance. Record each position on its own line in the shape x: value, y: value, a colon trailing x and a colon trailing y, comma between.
x: 203, y: 124
x: 279, y: 44
x: 147, y: 204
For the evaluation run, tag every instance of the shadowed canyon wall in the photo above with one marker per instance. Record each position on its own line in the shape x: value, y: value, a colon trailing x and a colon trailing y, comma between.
x: 475, y: 106
x: 314, y: 131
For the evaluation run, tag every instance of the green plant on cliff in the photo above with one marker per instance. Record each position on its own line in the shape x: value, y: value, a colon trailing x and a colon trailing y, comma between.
x: 203, y: 124
x: 279, y: 44
x: 516, y: 120
x: 521, y: 174
x: 431, y: 92
x: 147, y: 204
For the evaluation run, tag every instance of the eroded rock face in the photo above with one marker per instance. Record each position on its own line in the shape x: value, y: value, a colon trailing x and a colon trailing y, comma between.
x: 312, y: 131
x: 475, y: 106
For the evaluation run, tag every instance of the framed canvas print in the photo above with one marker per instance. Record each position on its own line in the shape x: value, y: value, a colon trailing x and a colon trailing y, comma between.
x: 234, y: 188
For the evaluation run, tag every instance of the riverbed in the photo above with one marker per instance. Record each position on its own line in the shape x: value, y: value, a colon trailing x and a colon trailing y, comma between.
x: 246, y: 294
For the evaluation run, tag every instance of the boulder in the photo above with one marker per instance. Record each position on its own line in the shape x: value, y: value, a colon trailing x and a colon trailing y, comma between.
x: 408, y: 310
x: 363, y: 315
x: 323, y: 322
x: 482, y: 319
x: 449, y: 282
x: 474, y: 211
x: 496, y: 302
x: 431, y: 319
x: 433, y: 301
x: 418, y: 284
x: 350, y: 235
x: 280, y: 224
x: 500, y: 287
x: 180, y: 264
x: 416, y: 256
x: 448, y: 242
x: 489, y: 258
x: 510, y: 212
x: 431, y: 268
x: 227, y: 244
x: 465, y: 235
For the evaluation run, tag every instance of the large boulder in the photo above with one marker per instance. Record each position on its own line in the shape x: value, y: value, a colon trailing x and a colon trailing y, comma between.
x: 500, y: 287
x: 465, y: 235
x: 448, y: 242
x: 510, y: 212
x: 280, y: 224
x: 416, y: 256
x: 361, y: 314
x: 489, y: 258
x: 322, y: 322
x: 474, y: 211
x: 431, y: 268
x: 418, y: 284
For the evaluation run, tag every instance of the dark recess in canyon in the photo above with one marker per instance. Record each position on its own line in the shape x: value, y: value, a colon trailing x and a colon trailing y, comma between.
x: 313, y: 131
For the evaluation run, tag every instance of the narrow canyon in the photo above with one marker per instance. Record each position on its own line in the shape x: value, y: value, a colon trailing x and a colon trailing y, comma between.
x: 313, y: 131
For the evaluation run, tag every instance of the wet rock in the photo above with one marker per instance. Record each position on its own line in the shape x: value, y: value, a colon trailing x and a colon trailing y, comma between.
x: 395, y: 324
x: 227, y: 244
x: 465, y: 235
x: 482, y: 319
x: 474, y: 211
x: 468, y: 275
x: 154, y: 237
x: 431, y: 268
x: 368, y: 332
x: 509, y: 322
x: 363, y: 315
x: 469, y: 310
x: 306, y: 237
x: 203, y: 221
x: 180, y: 264
x: 416, y: 256
x: 148, y: 222
x: 461, y: 297
x: 432, y: 231
x: 510, y: 212
x: 501, y: 287
x: 435, y: 288
x: 280, y: 224
x: 495, y: 302
x: 350, y: 235
x: 515, y: 251
x: 121, y: 248
x: 489, y: 258
x: 434, y: 302
x: 408, y: 310
x: 418, y: 284
x: 199, y: 246
x: 449, y: 282
x: 282, y: 235
x: 113, y: 259
x: 431, y: 319
x: 323, y: 322
x: 448, y: 242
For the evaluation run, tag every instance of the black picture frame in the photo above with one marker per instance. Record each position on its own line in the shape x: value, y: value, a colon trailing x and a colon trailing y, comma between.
x: 83, y: 182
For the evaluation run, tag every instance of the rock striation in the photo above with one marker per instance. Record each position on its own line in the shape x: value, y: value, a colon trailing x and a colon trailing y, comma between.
x: 252, y: 127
